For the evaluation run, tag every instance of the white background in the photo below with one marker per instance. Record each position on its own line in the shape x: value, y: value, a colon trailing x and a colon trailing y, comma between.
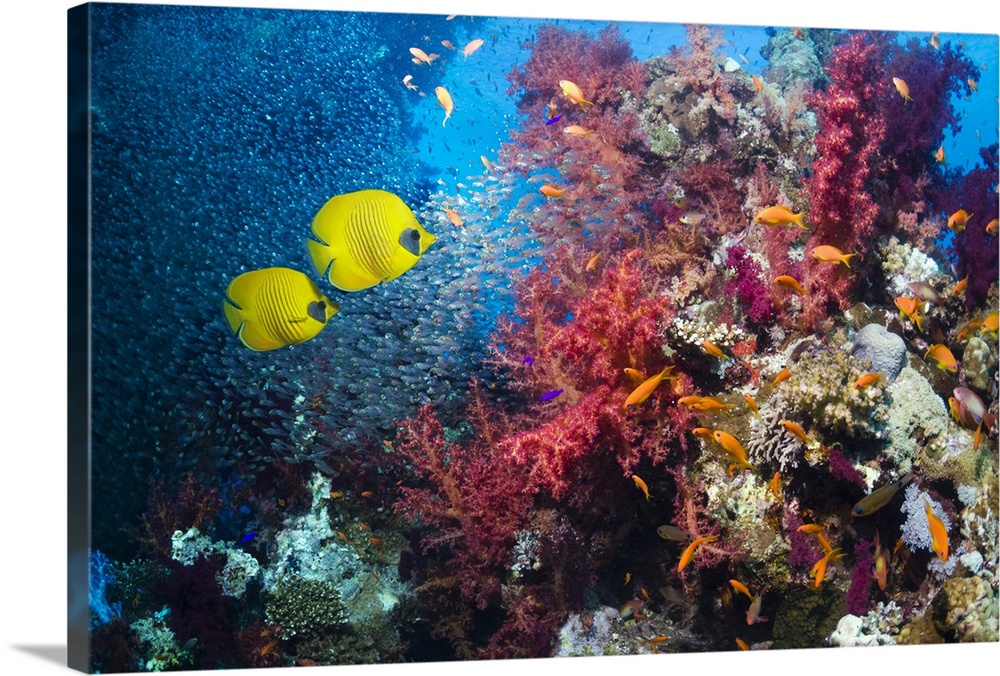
x: 32, y: 327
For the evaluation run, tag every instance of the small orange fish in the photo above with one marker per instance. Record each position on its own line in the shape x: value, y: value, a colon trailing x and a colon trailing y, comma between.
x: 961, y: 286
x: 992, y: 226
x: 831, y: 254
x: 819, y: 569
x: 741, y: 644
x: 551, y: 191
x: 342, y: 536
x: 774, y: 487
x: 939, y: 534
x: 409, y: 85
x: 943, y: 357
x: 798, y: 34
x: 713, y: 350
x: 939, y: 154
x: 709, y: 405
x: 881, y: 568
x: 902, y: 88
x: 367, y: 494
x: 991, y: 323
x: 702, y: 432
x: 641, y: 485
x: 783, y: 375
x: 910, y: 308
x: 364, y: 526
x: 689, y: 551
x: 268, y: 648
x: 811, y: 528
x: 486, y: 164
x: 958, y: 220
x: 628, y: 577
x: 788, y: 282
x: 934, y: 41
x: 758, y: 84
x: 654, y: 640
x: 471, y: 47
x: 973, y: 85
x: 867, y: 380
x: 444, y: 99
x: 796, y: 431
x: 635, y: 375
x: 592, y: 263
x: 741, y: 588
x: 574, y: 93
x: 779, y: 215
x: 336, y: 495
x: 453, y: 216
x: 447, y: 43
x: 577, y: 130
x: 734, y: 449
x: 376, y: 542
x: 970, y: 327
x: 751, y: 404
x: 643, y: 392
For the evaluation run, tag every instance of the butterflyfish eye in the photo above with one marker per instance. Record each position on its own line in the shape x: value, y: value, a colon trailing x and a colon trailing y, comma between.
x: 317, y: 310
x: 410, y: 240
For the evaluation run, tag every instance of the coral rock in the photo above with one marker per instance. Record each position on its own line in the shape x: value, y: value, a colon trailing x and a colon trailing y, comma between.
x: 965, y: 609
x: 886, y: 350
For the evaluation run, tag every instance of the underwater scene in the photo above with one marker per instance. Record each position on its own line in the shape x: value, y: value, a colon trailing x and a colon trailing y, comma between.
x: 430, y: 338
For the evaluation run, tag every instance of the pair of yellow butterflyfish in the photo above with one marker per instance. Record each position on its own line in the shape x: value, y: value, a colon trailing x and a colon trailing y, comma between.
x: 362, y: 239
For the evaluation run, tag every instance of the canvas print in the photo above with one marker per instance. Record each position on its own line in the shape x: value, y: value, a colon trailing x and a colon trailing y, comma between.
x: 408, y: 337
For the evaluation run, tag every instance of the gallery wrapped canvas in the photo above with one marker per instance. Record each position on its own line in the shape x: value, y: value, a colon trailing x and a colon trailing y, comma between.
x: 411, y: 337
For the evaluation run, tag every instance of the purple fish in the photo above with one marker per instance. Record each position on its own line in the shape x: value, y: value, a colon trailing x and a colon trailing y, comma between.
x: 553, y: 119
x: 529, y: 360
x: 551, y: 394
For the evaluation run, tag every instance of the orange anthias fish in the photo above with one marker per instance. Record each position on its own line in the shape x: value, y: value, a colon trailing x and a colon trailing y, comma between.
x: 819, y: 569
x: 643, y: 392
x: 751, y: 404
x: 783, y: 375
x: 881, y: 568
x: 811, y: 528
x: 796, y: 431
x: 641, y: 485
x: 713, y: 350
x: 758, y: 84
x: 960, y: 287
x: 958, y: 220
x: 753, y: 612
x: 486, y: 164
x: 902, y: 88
x: 992, y: 226
x: 689, y: 551
x: 574, y: 93
x: 973, y: 85
x: 741, y: 644
x: 741, y: 588
x: 939, y: 534
x: 635, y: 375
x: 774, y: 487
x: 447, y: 43
x: 592, y: 262
x: 991, y: 323
x: 409, y: 85
x: 703, y: 432
x: 734, y: 449
x: 453, y: 216
x: 970, y: 327
x: 551, y: 191
x: 709, y: 405
x: 910, y: 308
x: 788, y: 282
x: 939, y: 154
x: 779, y: 215
x: 472, y: 46
x: 444, y: 98
x: 943, y: 357
x: 934, y: 41
x: 867, y: 380
x: 831, y: 254
x: 577, y: 130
